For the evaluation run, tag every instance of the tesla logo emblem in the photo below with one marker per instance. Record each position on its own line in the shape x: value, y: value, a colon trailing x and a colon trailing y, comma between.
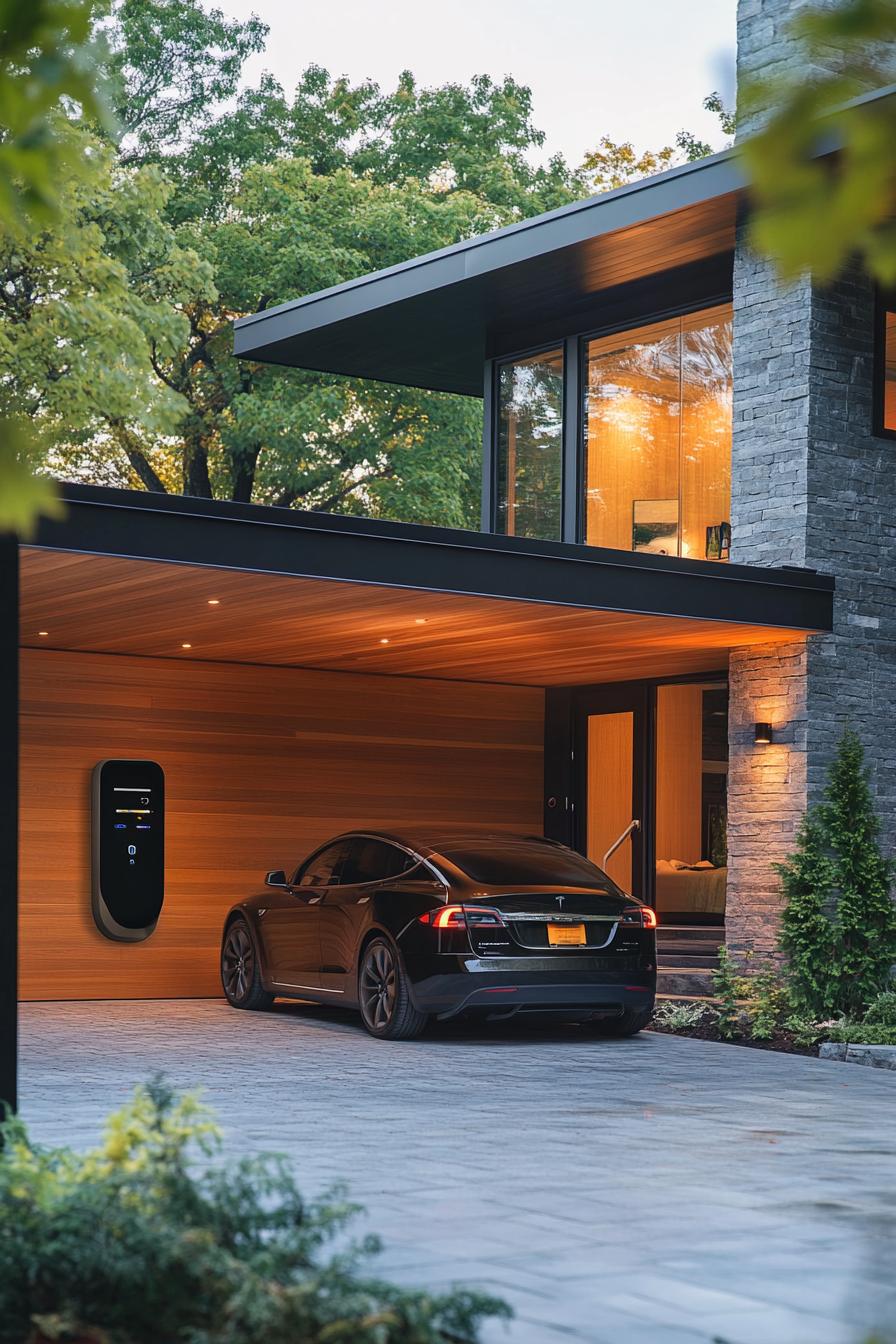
x: 560, y: 900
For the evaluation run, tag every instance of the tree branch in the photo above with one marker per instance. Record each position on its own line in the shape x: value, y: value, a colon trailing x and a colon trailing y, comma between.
x: 159, y: 371
x: 147, y: 474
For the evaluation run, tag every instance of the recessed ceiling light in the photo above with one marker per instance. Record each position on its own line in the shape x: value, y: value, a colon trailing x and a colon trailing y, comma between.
x: 43, y: 633
x: 384, y: 641
x: 186, y: 646
x: 214, y: 601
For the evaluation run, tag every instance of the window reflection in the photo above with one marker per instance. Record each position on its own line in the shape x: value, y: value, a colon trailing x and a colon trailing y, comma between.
x: 530, y: 429
x: 658, y: 437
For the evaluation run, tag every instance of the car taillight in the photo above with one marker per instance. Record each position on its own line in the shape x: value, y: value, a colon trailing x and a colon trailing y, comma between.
x: 462, y: 917
x: 640, y: 914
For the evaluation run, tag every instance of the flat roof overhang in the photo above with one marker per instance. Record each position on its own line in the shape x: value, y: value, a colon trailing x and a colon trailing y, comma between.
x: 433, y: 321
x: 128, y: 572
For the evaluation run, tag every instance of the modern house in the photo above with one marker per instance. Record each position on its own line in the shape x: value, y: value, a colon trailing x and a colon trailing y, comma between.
x: 681, y: 591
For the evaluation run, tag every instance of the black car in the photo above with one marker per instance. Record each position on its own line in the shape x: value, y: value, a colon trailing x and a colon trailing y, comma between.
x: 410, y: 927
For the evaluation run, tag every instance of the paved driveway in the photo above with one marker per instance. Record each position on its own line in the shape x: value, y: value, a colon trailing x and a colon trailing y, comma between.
x: 654, y: 1191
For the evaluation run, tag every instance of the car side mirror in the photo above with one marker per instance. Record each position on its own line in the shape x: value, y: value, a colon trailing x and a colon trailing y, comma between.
x: 277, y: 878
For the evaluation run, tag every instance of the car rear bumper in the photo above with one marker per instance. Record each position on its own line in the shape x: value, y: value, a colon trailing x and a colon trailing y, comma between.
x: 509, y: 985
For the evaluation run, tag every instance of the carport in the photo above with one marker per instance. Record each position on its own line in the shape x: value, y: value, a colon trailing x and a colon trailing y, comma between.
x: 300, y: 674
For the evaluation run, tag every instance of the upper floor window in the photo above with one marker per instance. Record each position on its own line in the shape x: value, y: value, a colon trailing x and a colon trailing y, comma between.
x: 886, y: 411
x: 530, y: 446
x: 657, y: 433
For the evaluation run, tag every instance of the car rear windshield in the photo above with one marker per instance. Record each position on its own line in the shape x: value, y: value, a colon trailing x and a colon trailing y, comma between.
x: 530, y: 866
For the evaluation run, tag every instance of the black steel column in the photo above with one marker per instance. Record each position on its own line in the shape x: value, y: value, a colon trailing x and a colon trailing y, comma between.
x: 573, y: 483
x: 9, y: 815
x: 559, y: 786
x: 487, y: 512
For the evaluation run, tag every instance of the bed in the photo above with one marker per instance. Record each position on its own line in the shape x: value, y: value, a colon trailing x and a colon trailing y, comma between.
x: 692, y: 889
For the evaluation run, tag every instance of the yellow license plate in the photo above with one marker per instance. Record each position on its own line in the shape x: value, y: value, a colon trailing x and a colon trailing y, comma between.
x: 565, y: 935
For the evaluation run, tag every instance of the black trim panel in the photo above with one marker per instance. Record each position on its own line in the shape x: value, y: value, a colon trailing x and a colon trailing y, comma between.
x: 9, y: 806
x: 356, y: 550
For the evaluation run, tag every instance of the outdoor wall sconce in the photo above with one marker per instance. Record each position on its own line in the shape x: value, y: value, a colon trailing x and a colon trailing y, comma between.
x: 762, y: 733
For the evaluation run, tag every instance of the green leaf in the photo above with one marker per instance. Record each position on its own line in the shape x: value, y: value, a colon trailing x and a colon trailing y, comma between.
x: 24, y: 497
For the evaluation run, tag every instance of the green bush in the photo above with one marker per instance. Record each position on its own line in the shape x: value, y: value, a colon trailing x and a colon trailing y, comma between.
x: 766, y: 1005
x: 860, y: 1033
x: 804, y: 1031
x: 883, y: 1009
x: 838, y: 928
x: 679, y: 1016
x: 729, y: 988
x: 129, y: 1244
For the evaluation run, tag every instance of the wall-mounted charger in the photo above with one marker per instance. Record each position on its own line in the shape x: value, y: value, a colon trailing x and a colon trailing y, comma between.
x: 128, y: 848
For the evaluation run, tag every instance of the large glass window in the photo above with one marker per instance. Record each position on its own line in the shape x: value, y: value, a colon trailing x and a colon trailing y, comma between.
x: 530, y: 447
x: 658, y: 437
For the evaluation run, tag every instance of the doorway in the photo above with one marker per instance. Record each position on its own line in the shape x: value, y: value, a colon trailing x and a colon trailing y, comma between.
x: 649, y: 791
x: 612, y: 749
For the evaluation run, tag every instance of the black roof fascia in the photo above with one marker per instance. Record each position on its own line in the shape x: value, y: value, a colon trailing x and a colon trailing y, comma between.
x: 428, y: 322
x: 263, y: 539
x: 425, y: 322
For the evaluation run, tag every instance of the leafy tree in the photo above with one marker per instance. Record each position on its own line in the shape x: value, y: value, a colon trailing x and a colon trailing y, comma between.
x: 280, y: 196
x: 845, y: 51
x: 252, y: 431
x: 171, y: 64
x: 207, y: 203
x: 46, y: 59
x: 614, y: 163
x: 807, y: 935
x: 839, y: 923
x: 76, y: 330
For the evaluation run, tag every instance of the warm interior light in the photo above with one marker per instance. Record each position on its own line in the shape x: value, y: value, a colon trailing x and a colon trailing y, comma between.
x: 186, y: 646
x: 762, y: 733
x: 214, y: 601
x: 384, y: 641
x: 43, y: 633
x: 419, y: 620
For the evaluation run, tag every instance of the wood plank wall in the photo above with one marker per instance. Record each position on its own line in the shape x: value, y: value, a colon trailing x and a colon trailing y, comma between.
x: 679, y: 773
x: 261, y: 764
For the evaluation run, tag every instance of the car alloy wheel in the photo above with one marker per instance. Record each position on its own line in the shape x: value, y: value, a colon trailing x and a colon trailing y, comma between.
x: 237, y: 963
x: 378, y: 986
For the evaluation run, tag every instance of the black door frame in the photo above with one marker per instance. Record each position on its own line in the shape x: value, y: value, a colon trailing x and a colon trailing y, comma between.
x: 565, y: 761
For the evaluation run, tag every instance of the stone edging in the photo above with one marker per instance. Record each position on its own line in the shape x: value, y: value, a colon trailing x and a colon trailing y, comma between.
x: 877, y: 1056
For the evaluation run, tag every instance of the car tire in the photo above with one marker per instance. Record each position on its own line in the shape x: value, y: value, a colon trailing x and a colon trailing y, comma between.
x: 240, y: 971
x: 629, y: 1023
x: 384, y: 995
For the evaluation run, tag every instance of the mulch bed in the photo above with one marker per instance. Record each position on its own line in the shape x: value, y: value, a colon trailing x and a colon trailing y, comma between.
x: 708, y: 1031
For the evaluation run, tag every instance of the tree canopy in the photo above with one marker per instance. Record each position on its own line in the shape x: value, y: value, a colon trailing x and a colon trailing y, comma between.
x: 185, y: 200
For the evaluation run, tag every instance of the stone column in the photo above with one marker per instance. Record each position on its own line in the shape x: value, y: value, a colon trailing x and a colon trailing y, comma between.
x: 811, y: 486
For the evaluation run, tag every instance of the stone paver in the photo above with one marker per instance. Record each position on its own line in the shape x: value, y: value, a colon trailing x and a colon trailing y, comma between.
x: 653, y: 1191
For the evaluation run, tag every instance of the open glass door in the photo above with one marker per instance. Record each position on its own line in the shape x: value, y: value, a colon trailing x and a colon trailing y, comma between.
x: 611, y: 751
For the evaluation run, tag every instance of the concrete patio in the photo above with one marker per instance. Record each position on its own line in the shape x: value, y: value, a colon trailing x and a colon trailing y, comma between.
x: 653, y: 1191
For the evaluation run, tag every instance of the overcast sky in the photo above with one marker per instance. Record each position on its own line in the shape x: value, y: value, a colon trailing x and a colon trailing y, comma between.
x: 636, y: 70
